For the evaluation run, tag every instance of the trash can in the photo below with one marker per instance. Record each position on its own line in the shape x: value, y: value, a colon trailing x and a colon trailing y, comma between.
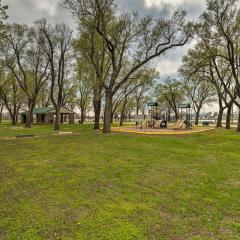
x: 205, y: 123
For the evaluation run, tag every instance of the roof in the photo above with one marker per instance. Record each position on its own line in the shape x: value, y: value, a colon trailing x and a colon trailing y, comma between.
x: 185, y: 105
x: 152, y: 104
x: 43, y: 110
x: 46, y: 110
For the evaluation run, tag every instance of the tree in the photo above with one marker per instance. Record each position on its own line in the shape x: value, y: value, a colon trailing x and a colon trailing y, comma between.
x: 199, y: 92
x: 22, y: 49
x: 83, y: 76
x: 83, y: 101
x: 1, y: 110
x: 3, y: 16
x: 57, y: 48
x: 44, y: 99
x: 165, y: 108
x: 140, y: 80
x: 220, y: 29
x: 171, y: 91
x: 69, y: 92
x: 92, y: 50
x: 199, y: 63
x: 130, y: 108
x: 10, y: 94
x: 121, y: 32
x: 128, y: 89
x: 140, y: 94
x: 143, y: 103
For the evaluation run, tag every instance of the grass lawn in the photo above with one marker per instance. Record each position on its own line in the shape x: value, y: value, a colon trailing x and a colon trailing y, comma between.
x: 118, y: 186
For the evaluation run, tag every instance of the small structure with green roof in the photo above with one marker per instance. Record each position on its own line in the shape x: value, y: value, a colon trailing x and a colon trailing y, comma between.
x: 46, y: 115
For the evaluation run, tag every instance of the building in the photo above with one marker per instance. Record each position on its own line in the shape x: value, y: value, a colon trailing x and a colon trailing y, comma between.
x: 47, y: 115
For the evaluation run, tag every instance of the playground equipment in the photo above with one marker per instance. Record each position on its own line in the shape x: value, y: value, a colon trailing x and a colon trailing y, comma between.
x: 179, y: 124
x: 185, y: 112
x: 153, y: 121
x: 146, y: 123
x: 153, y: 113
x: 154, y: 118
x: 186, y: 109
x: 188, y: 124
x: 163, y: 124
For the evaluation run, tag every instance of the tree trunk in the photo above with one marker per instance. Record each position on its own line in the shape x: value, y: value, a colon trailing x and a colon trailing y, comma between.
x: 112, y: 117
x: 123, y: 111
x: 82, y: 118
x: 220, y: 116
x: 12, y: 114
x: 108, y: 113
x: 176, y: 114
x: 97, y: 111
x: 168, y: 116
x: 57, y: 119
x: 16, y: 117
x: 1, y: 113
x: 137, y: 108
x: 228, y: 117
x: 121, y: 119
x: 29, y: 115
x: 13, y: 118
x: 137, y: 111
x: 15, y: 114
x: 238, y: 126
x: 197, y: 117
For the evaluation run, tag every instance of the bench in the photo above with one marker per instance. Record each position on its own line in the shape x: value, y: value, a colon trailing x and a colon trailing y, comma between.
x: 25, y: 136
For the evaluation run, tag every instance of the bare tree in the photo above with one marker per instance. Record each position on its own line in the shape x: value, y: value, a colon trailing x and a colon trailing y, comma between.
x: 141, y: 78
x: 69, y: 92
x: 43, y: 99
x: 200, y: 63
x: 220, y: 29
x: 84, y: 85
x: 1, y: 110
x: 24, y: 56
x: 92, y: 48
x: 143, y: 103
x: 171, y: 91
x: 57, y: 48
x: 11, y: 95
x: 199, y: 92
x: 3, y: 16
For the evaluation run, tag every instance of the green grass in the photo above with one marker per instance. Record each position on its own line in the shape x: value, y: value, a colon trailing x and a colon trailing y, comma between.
x: 118, y: 186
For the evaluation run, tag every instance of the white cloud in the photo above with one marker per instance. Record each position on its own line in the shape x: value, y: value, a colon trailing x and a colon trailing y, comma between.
x: 160, y: 3
x: 169, y: 63
x: 28, y: 11
x: 49, y: 6
x: 167, y: 67
x: 193, y: 7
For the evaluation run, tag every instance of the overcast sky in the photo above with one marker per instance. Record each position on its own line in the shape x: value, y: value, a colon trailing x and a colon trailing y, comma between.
x: 27, y: 11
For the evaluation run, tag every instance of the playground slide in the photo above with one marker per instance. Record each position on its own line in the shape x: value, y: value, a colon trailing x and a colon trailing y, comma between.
x: 179, y: 124
x: 145, y: 123
x: 176, y: 123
